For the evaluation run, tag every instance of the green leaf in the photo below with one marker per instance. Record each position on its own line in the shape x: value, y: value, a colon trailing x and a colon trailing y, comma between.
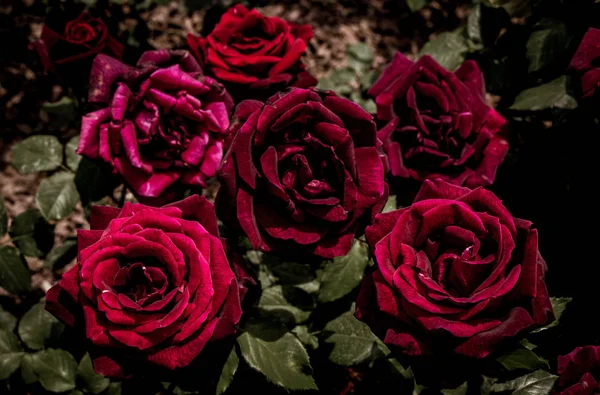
x: 37, y: 153
x: 537, y: 383
x: 326, y: 84
x: 448, y: 49
x: 390, y: 205
x: 514, y: 8
x: 7, y: 321
x: 293, y: 272
x: 522, y: 358
x: 10, y: 354
x: 229, y: 369
x: 55, y: 369
x: 416, y: 5
x: 37, y: 326
x: 32, y: 234
x: 57, y: 196
x: 546, y: 44
x: 342, y: 77
x: 72, y: 158
x: 362, y: 52
x: 62, y: 254
x: 357, y: 65
x: 14, y: 274
x: 273, y: 303
x: 94, y: 180
x: 352, y: 340
x: 474, y: 25
x: 307, y: 338
x: 63, y: 109
x: 527, y: 344
x: 114, y: 389
x: 344, y: 273
x: 558, y: 306
x: 282, y: 358
x: 486, y: 384
x: 550, y: 95
x: 92, y: 382
x: 460, y: 390
x: 27, y: 373
x: 3, y: 218
x: 368, y: 79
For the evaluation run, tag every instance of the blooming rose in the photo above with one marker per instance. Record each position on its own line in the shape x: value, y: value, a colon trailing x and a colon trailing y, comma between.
x: 151, y: 285
x: 254, y: 55
x: 578, y: 372
x: 302, y: 172
x: 587, y: 62
x: 71, y: 48
x: 439, y: 125
x: 160, y: 124
x: 455, y: 271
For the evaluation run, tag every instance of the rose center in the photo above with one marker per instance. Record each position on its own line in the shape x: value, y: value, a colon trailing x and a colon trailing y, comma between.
x: 80, y: 33
x: 141, y: 283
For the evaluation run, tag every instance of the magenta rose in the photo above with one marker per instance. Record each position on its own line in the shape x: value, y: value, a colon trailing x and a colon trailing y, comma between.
x: 253, y: 55
x: 586, y: 62
x: 161, y: 125
x: 438, y: 123
x: 151, y: 286
x: 455, y: 273
x: 70, y: 49
x: 303, y: 172
x: 579, y: 372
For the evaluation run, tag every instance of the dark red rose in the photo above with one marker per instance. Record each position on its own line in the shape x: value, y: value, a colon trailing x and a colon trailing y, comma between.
x: 455, y: 272
x: 439, y: 125
x: 254, y: 55
x: 81, y: 39
x: 161, y: 125
x: 578, y: 372
x: 586, y: 62
x: 302, y: 173
x: 152, y: 285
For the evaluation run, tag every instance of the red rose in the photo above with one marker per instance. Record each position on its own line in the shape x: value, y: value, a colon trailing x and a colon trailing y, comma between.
x: 302, y: 173
x: 455, y: 271
x: 151, y: 285
x: 439, y: 125
x: 578, y: 372
x: 586, y: 62
x: 254, y: 55
x: 82, y: 38
x: 161, y: 125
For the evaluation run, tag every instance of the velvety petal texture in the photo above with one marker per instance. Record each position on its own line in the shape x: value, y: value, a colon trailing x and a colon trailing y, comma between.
x: 161, y: 125
x: 438, y: 123
x: 455, y: 273
x: 69, y: 47
x: 585, y: 62
x: 302, y: 173
x: 579, y: 372
x: 253, y: 55
x: 152, y: 285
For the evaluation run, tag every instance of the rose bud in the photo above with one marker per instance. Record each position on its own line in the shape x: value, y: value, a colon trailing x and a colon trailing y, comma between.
x: 438, y: 123
x: 586, y: 63
x: 303, y: 173
x: 69, y: 48
x: 253, y: 55
x: 578, y: 372
x: 455, y: 273
x: 161, y: 125
x: 152, y: 286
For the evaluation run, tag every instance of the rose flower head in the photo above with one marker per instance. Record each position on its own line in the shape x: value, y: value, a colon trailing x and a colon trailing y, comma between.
x: 151, y: 286
x: 438, y: 123
x: 303, y: 172
x: 579, y: 372
x: 161, y: 125
x: 455, y: 272
x: 253, y: 55
x: 586, y: 63
x: 70, y: 47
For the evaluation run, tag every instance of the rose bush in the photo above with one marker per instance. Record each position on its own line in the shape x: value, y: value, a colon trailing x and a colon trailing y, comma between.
x: 71, y: 48
x: 254, y: 55
x: 438, y: 123
x: 455, y: 272
x: 586, y: 63
x: 151, y: 285
x: 161, y: 125
x: 302, y: 173
x: 579, y: 372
